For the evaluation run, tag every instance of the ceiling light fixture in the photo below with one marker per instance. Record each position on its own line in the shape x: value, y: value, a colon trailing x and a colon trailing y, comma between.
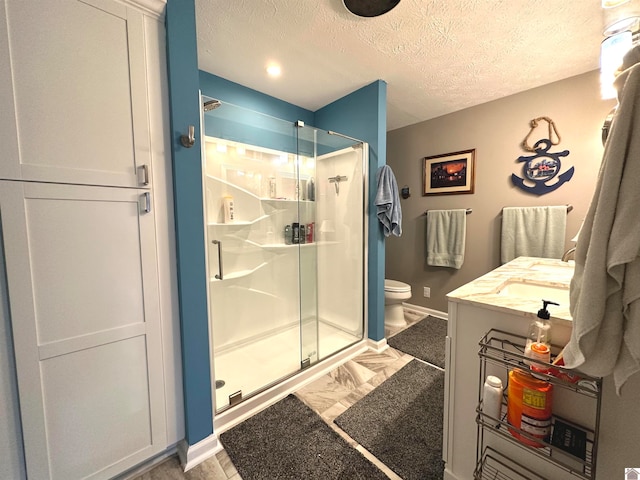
x: 370, y: 8
x: 622, y: 28
x: 274, y: 70
x: 612, y: 51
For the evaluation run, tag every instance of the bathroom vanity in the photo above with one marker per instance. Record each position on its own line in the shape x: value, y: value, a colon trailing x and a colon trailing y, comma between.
x: 507, y: 300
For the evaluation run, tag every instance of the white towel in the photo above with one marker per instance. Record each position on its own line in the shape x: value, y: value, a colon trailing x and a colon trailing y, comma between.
x: 533, y: 232
x: 446, y: 232
x: 388, y: 202
x: 605, y: 289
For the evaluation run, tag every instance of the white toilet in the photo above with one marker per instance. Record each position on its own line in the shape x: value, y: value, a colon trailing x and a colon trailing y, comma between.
x: 394, y: 294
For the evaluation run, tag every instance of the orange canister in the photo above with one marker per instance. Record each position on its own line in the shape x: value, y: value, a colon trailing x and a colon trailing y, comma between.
x: 529, y: 406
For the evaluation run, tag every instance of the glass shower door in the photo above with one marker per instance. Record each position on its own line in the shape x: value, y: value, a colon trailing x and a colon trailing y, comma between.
x: 332, y: 263
x: 251, y: 189
x: 285, y: 247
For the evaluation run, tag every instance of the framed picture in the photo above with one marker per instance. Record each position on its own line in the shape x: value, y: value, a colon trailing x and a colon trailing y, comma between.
x: 449, y: 173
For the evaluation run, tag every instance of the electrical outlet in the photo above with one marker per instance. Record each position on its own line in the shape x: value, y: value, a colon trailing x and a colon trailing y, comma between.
x: 427, y: 292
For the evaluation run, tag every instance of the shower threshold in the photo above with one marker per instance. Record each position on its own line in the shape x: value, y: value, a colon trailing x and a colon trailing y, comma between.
x: 230, y: 417
x: 245, y: 368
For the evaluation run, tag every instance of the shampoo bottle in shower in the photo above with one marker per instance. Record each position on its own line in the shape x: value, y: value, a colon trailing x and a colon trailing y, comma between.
x: 229, y: 213
x: 295, y: 227
x: 272, y: 187
x: 287, y: 235
x: 303, y: 233
x: 311, y: 190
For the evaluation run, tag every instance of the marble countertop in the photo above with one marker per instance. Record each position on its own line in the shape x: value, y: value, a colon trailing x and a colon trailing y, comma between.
x: 519, y: 286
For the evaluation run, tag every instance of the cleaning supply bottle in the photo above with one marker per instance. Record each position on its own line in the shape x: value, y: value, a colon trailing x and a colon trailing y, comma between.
x: 492, y: 399
x: 538, y: 344
x: 529, y: 403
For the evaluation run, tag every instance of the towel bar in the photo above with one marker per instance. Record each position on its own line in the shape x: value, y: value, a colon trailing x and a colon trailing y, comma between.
x: 569, y: 207
x: 469, y: 210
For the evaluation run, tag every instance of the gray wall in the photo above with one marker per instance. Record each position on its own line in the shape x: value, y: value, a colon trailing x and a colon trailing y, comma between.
x: 496, y: 130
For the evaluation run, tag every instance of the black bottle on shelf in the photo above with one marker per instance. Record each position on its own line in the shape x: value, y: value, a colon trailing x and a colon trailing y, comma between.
x: 295, y: 227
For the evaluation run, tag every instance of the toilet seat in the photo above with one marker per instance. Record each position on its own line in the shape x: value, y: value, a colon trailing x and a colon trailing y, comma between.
x: 394, y: 286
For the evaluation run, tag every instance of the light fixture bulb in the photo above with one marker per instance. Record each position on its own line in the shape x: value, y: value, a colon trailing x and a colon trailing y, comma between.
x: 612, y: 51
x: 630, y: 24
x: 274, y: 70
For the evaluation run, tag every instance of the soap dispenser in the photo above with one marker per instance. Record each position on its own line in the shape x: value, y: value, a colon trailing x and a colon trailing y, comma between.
x: 538, y: 345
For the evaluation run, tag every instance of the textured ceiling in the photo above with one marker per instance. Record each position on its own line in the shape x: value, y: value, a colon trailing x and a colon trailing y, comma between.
x: 437, y: 56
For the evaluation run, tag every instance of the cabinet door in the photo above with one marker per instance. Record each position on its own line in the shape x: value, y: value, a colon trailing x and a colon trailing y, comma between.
x: 73, y: 92
x: 83, y: 298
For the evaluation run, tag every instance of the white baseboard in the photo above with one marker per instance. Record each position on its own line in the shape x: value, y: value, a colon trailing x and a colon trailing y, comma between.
x: 425, y: 310
x: 377, y: 346
x: 148, y: 465
x: 449, y: 476
x: 192, y: 455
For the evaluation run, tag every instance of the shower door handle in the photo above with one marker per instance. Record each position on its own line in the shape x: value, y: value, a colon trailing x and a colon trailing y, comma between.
x: 219, y: 276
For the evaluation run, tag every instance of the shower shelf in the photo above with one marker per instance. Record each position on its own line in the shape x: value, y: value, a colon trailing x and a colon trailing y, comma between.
x: 282, y: 246
x: 284, y: 200
x: 238, y: 274
x: 239, y: 223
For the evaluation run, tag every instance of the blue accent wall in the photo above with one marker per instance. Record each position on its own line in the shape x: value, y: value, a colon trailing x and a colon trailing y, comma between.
x: 187, y: 183
x: 363, y: 115
x: 236, y: 94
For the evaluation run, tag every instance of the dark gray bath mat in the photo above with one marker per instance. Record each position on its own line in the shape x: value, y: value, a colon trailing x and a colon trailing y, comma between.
x: 400, y: 422
x: 424, y: 340
x: 288, y: 440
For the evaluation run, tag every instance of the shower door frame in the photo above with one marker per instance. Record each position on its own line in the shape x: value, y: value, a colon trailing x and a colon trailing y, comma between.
x: 283, y: 381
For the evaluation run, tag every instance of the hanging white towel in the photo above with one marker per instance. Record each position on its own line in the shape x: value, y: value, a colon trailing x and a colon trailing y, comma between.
x: 605, y: 289
x: 388, y: 202
x: 533, y: 232
x: 446, y: 232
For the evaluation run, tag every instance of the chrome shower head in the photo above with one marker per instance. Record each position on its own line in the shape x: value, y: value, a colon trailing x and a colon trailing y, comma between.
x: 211, y: 105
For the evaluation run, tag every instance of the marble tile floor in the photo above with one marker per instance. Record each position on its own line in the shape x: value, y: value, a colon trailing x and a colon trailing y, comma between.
x: 329, y: 396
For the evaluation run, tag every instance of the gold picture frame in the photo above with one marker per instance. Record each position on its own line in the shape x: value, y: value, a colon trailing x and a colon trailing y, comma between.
x: 449, y: 173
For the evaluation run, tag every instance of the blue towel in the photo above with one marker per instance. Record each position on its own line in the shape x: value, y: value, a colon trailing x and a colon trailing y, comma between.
x: 388, y: 203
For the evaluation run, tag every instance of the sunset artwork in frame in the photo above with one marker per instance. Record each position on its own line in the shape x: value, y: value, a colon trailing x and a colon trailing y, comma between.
x: 448, y: 174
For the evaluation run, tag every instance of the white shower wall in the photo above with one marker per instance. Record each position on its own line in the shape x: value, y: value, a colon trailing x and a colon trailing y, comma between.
x: 341, y: 240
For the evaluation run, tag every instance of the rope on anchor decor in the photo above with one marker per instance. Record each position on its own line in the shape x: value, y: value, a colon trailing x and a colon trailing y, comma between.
x: 534, y: 124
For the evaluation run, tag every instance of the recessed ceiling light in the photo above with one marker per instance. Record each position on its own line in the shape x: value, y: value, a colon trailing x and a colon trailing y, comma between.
x: 274, y: 70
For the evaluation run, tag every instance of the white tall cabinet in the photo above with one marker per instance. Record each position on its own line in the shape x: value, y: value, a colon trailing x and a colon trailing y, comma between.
x: 88, y: 355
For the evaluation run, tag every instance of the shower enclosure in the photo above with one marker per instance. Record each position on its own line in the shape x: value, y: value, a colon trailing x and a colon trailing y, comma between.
x: 285, y: 242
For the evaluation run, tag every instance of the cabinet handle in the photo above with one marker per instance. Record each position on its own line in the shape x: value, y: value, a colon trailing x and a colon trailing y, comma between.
x: 144, y: 169
x: 219, y: 276
x: 146, y: 202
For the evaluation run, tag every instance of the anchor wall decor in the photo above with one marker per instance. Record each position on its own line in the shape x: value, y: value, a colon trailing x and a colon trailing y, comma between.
x: 544, y: 166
